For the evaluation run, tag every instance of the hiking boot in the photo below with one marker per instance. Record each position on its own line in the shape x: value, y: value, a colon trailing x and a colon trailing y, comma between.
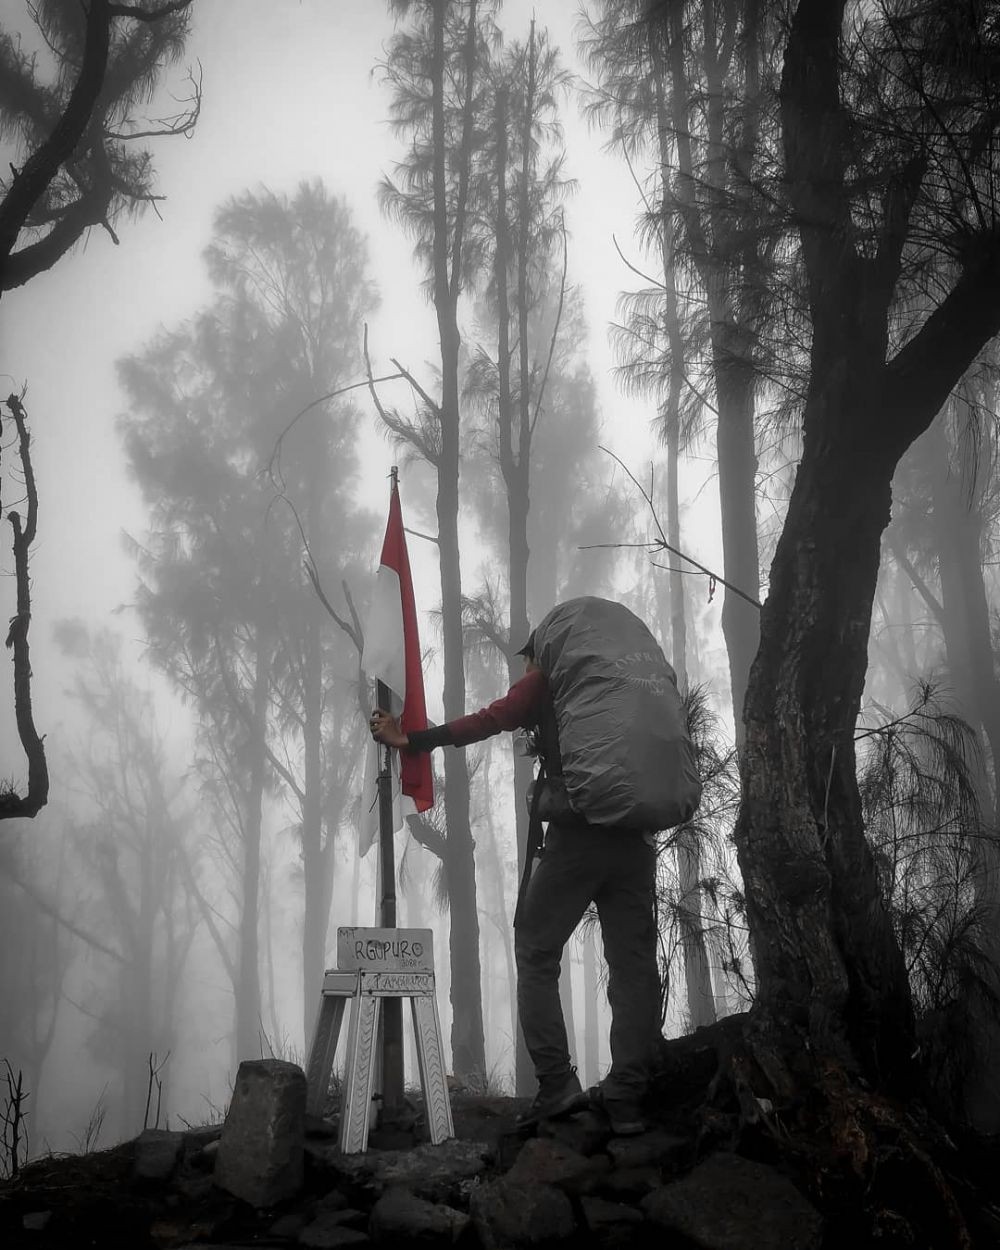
x: 624, y: 1115
x: 557, y: 1096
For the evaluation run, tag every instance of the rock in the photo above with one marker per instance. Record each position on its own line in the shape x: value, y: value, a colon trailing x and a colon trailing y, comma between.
x: 731, y: 1203
x: 289, y: 1225
x: 652, y: 1149
x: 35, y: 1221
x: 326, y: 1233
x: 630, y: 1184
x: 194, y: 1187
x: 585, y: 1132
x: 546, y: 1161
x: 509, y: 1216
x: 612, y: 1224
x: 156, y: 1153
x: 200, y: 1138
x: 437, y: 1173
x: 260, y: 1155
x: 401, y: 1218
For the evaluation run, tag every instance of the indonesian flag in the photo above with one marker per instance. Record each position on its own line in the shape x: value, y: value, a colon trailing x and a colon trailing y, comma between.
x: 392, y: 656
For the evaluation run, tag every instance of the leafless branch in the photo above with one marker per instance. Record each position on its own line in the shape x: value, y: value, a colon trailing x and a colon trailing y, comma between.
x: 660, y: 543
x: 342, y: 390
x: 181, y: 123
x: 555, y: 328
x: 12, y: 804
x: 654, y: 282
x: 405, y: 430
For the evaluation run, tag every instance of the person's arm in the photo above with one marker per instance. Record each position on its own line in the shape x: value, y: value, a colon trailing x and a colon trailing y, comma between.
x: 516, y: 710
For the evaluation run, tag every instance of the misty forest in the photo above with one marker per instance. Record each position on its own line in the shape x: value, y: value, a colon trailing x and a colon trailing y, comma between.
x: 689, y: 304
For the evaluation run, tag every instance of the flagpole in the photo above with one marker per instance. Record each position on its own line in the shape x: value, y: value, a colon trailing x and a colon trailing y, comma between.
x: 392, y: 1007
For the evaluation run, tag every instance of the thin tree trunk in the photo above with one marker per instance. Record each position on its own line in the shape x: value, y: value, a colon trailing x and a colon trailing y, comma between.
x: 698, y: 980
x: 460, y: 871
x: 248, y: 984
x: 315, y: 864
x: 515, y: 468
x: 733, y: 372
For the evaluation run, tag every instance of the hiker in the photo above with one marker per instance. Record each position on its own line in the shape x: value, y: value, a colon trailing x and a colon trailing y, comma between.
x: 609, y: 861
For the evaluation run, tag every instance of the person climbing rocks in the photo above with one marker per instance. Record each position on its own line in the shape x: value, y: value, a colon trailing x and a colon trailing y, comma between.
x: 601, y: 704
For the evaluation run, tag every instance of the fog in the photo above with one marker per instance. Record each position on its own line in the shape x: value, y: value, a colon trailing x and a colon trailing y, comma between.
x: 193, y: 380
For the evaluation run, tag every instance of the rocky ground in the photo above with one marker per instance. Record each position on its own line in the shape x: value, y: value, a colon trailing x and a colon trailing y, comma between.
x: 709, y: 1173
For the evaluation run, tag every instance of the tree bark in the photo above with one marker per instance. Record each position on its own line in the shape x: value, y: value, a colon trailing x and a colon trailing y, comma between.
x: 467, y: 1044
x: 830, y: 978
x: 248, y: 981
x: 697, y: 976
x: 315, y: 864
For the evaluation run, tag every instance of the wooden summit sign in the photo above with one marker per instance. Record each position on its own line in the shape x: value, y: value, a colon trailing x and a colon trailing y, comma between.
x: 385, y: 950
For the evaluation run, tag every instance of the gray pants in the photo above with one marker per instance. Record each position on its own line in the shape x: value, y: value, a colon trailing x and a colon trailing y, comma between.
x: 614, y: 869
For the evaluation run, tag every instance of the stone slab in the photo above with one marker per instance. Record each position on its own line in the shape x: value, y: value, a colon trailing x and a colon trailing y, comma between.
x: 260, y: 1156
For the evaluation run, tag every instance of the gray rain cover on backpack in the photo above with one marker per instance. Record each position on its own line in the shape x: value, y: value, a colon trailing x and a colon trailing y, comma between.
x: 627, y: 759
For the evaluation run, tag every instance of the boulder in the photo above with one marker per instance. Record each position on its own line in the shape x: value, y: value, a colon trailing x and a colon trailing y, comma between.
x: 652, y: 1149
x: 731, y: 1203
x: 611, y: 1224
x: 629, y: 1184
x: 547, y: 1161
x: 325, y: 1232
x: 400, y: 1218
x: 586, y: 1132
x: 156, y: 1154
x: 511, y: 1216
x: 260, y: 1157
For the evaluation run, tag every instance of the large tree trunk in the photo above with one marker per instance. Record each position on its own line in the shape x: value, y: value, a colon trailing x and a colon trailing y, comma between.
x: 829, y: 973
x: 830, y: 978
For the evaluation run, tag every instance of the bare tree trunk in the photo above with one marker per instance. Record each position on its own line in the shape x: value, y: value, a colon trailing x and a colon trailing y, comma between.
x: 496, y: 874
x: 248, y: 982
x: 827, y: 963
x: 515, y: 468
x: 733, y: 370
x: 460, y: 870
x: 698, y: 980
x: 316, y: 866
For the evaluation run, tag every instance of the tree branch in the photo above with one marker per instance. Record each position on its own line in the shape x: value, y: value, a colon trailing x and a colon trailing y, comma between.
x: 12, y: 804
x: 30, y: 182
x: 921, y: 375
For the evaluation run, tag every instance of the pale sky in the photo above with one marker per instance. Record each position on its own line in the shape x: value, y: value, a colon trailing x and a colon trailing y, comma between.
x: 288, y: 93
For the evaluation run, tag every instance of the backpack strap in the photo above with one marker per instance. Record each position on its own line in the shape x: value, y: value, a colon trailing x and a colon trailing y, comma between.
x: 534, y: 841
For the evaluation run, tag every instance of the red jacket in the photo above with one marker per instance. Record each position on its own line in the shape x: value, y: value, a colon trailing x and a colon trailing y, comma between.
x: 519, y: 708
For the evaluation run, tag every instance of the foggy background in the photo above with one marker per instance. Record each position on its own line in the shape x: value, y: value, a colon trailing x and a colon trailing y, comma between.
x: 120, y: 902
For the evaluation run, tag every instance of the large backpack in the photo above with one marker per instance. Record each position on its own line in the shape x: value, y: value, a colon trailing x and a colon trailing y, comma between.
x: 624, y: 754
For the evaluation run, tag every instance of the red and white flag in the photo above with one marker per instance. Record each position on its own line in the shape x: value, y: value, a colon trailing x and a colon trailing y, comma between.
x: 392, y: 656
